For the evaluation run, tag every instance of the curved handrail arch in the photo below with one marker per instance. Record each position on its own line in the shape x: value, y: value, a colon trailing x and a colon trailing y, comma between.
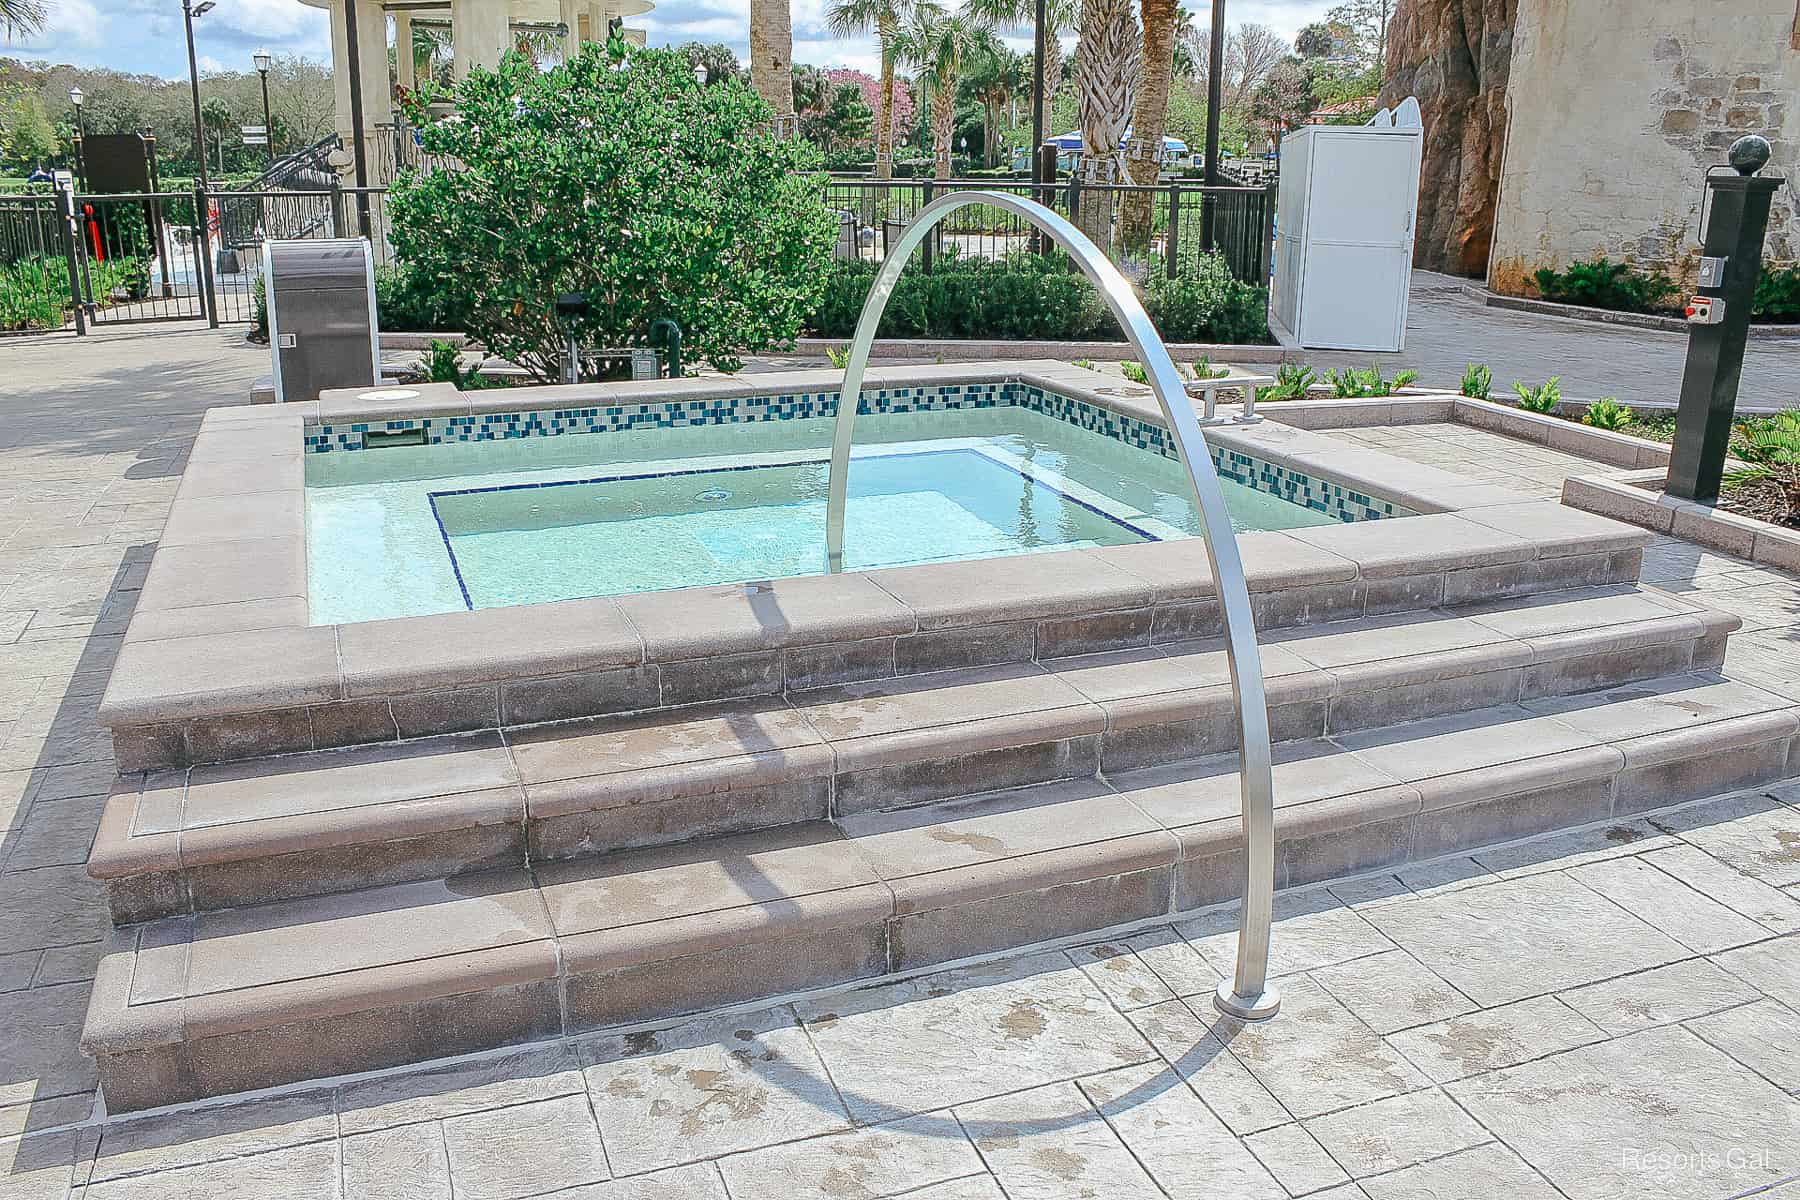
x: 1248, y: 994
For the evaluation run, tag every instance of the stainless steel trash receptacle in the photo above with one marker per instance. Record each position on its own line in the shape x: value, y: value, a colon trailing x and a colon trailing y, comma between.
x: 321, y: 301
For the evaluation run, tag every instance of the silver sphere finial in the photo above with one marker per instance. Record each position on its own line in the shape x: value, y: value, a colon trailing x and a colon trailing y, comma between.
x: 1749, y: 154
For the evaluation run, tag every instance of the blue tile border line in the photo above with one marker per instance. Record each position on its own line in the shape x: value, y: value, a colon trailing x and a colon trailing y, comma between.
x: 1294, y: 486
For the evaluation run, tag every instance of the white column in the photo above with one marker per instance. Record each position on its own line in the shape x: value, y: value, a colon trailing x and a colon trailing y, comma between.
x: 569, y: 13
x: 405, y: 69
x: 479, y: 34
x: 372, y: 50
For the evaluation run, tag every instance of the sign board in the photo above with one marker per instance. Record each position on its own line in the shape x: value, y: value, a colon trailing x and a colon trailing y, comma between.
x: 247, y: 130
x: 255, y: 139
x: 116, y: 162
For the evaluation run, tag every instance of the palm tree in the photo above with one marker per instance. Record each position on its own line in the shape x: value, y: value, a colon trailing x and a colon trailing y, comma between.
x: 1143, y: 156
x: 938, y: 43
x: 772, y: 60
x: 1106, y: 63
x: 995, y: 78
x: 883, y: 18
x: 21, y: 16
x: 1060, y: 17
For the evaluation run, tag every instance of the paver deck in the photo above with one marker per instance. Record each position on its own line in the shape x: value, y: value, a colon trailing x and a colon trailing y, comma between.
x: 1426, y: 1049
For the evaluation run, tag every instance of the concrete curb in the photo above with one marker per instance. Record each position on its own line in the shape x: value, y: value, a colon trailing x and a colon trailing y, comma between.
x: 1637, y: 497
x: 1606, y: 316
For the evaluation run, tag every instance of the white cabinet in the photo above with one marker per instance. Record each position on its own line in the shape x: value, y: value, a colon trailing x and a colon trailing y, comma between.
x: 1344, y: 235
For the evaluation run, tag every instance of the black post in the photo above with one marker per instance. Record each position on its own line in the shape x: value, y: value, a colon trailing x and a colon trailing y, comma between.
x: 1732, y: 250
x: 1174, y: 240
x: 80, y: 150
x: 353, y: 63
x: 1039, y: 39
x: 203, y: 258
x: 931, y: 238
x: 187, y: 20
x: 159, y: 227
x: 71, y: 234
x: 268, y: 125
x: 1215, y: 96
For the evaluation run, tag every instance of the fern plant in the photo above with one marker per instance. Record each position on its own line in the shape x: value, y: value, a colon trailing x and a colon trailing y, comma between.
x: 1477, y: 381
x: 1134, y: 371
x: 1204, y: 369
x: 839, y: 358
x: 1293, y: 381
x: 1770, y: 449
x: 1541, y: 399
x: 1608, y: 413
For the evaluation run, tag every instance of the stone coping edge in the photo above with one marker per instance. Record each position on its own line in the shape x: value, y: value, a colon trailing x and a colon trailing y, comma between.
x: 1637, y: 497
x: 220, y: 627
x: 1607, y: 316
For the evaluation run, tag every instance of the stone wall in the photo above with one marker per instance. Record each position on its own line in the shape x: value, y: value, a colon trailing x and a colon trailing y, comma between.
x: 1617, y: 109
x: 1454, y: 56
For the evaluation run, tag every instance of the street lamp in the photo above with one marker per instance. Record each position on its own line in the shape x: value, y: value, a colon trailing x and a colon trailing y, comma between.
x: 76, y: 97
x: 264, y: 60
x: 700, y: 73
x: 189, y: 11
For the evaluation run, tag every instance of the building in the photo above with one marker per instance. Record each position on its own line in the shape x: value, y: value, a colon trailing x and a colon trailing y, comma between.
x: 480, y: 31
x: 1558, y: 131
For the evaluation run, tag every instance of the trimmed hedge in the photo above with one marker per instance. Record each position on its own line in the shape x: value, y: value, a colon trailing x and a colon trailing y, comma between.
x: 1031, y: 297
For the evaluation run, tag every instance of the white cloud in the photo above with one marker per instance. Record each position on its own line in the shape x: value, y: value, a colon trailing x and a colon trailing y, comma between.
x: 67, y: 24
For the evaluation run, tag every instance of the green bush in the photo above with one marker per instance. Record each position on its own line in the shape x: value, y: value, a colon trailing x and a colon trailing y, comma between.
x: 1353, y: 384
x: 1293, y: 381
x: 1033, y: 297
x: 1770, y: 446
x: 1541, y: 399
x: 1777, y: 295
x: 1602, y: 283
x: 34, y: 292
x: 617, y: 175
x: 1608, y: 413
x: 1477, y: 381
x: 410, y: 301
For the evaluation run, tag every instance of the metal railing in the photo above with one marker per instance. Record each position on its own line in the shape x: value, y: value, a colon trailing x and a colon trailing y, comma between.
x: 1248, y: 994
x: 1185, y: 220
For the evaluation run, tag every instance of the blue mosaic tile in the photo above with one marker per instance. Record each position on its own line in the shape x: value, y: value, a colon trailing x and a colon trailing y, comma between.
x: 1320, y: 495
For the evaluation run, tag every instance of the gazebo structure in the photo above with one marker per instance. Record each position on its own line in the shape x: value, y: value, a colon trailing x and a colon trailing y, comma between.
x: 480, y: 31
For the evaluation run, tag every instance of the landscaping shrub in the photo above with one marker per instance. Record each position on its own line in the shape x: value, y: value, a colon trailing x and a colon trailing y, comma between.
x: 1602, y: 283
x: 1036, y: 297
x: 1204, y: 369
x: 1777, y: 295
x: 1477, y: 381
x: 1134, y: 371
x: 1541, y: 399
x: 1353, y: 384
x: 617, y: 175
x: 1293, y: 381
x: 1608, y: 413
x: 1771, y: 448
x: 34, y: 292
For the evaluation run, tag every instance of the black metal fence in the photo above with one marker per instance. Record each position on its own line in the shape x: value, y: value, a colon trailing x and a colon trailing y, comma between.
x: 1184, y: 221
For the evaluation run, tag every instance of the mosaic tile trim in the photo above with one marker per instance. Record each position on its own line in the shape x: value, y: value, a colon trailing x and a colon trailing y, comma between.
x: 1296, y: 487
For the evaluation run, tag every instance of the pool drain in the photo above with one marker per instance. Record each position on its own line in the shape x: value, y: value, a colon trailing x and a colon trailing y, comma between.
x: 714, y: 494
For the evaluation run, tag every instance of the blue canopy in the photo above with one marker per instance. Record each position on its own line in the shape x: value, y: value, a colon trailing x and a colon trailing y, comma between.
x: 1072, y: 141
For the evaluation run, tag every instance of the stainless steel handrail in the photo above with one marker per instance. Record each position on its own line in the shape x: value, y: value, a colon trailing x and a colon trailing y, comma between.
x: 1248, y: 994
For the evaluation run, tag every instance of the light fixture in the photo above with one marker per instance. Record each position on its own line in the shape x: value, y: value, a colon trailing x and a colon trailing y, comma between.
x: 700, y: 73
x: 76, y: 96
x: 204, y: 7
x: 263, y: 60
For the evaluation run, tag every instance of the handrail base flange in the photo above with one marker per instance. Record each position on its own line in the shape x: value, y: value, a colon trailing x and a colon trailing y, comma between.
x: 1247, y: 1008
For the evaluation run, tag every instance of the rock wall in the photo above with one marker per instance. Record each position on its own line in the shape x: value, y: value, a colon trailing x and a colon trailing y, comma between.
x: 1617, y: 110
x: 1455, y: 56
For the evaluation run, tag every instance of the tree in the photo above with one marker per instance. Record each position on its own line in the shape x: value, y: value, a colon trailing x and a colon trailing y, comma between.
x: 883, y: 18
x: 1106, y: 64
x: 215, y: 116
x: 772, y: 59
x: 1149, y: 116
x: 1285, y: 97
x: 995, y: 78
x: 938, y: 43
x: 839, y: 121
x: 1316, y: 41
x: 1365, y: 22
x: 26, y: 135
x: 23, y: 17
x: 616, y: 175
x: 1061, y: 17
x: 720, y: 63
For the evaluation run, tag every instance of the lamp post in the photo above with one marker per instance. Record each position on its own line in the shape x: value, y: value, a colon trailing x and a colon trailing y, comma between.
x: 76, y: 97
x: 353, y: 63
x: 202, y: 252
x: 264, y: 60
x: 700, y: 73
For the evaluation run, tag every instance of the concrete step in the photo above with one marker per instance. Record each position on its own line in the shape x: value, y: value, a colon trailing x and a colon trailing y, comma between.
x: 200, y: 1005
x: 229, y: 834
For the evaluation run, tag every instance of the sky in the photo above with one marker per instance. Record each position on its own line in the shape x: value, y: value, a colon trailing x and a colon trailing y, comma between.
x: 144, y: 36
